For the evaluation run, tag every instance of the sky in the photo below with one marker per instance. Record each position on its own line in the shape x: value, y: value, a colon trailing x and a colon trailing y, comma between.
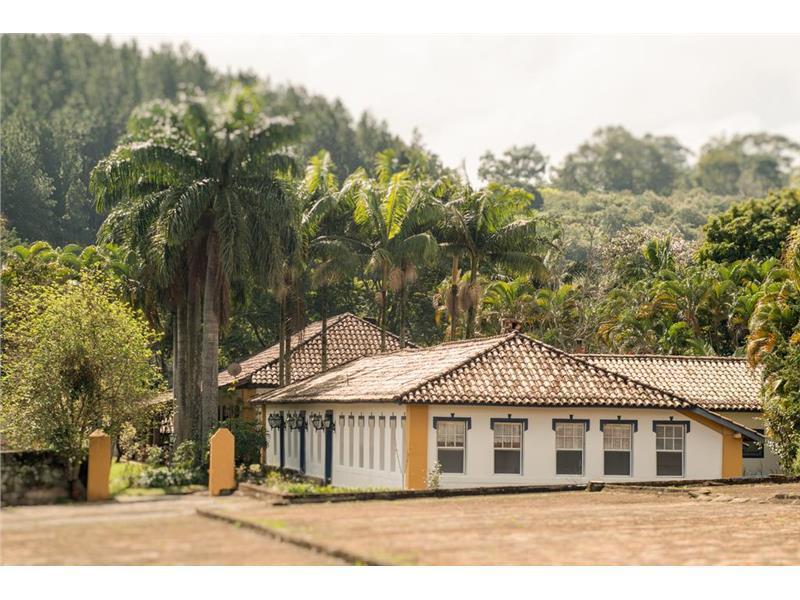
x: 469, y: 94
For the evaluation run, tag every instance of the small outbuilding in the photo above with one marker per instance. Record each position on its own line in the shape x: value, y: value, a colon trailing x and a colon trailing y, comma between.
x: 504, y: 410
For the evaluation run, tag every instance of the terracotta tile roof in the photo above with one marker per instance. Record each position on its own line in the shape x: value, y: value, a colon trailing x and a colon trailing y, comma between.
x: 349, y: 337
x: 714, y: 383
x: 506, y: 370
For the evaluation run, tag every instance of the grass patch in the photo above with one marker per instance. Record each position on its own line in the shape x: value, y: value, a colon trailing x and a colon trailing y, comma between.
x: 124, y: 475
x: 285, y: 484
x: 162, y: 491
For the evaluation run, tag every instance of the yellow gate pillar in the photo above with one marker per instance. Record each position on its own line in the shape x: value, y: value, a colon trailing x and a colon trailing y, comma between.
x: 221, y: 471
x: 416, y: 447
x: 99, y: 466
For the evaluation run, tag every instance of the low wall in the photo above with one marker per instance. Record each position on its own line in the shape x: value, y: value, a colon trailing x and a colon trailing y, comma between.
x: 31, y: 477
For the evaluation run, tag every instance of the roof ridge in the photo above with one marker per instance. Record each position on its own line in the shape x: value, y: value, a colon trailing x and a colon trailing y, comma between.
x: 609, y: 372
x: 501, y: 339
x: 660, y: 356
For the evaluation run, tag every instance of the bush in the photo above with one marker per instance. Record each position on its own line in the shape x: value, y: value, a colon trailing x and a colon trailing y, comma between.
x: 249, y: 440
x: 186, y: 456
x: 162, y: 477
x: 182, y: 470
x: 154, y: 456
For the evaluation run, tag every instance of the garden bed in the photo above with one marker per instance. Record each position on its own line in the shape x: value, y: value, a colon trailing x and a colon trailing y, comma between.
x: 333, y: 494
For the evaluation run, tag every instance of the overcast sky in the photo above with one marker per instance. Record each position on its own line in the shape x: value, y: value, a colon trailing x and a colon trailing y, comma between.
x: 467, y: 94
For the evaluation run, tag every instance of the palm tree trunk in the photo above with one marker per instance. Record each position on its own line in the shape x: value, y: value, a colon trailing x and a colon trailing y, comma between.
x: 453, y: 298
x: 403, y: 301
x: 281, y: 344
x: 210, y: 348
x: 473, y: 276
x: 192, y: 383
x: 287, y: 353
x: 181, y: 422
x: 324, y: 309
x: 382, y: 319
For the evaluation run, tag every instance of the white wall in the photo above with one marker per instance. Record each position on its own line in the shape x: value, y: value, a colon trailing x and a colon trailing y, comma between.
x: 756, y: 467
x: 366, y: 442
x: 702, y: 456
x: 703, y: 452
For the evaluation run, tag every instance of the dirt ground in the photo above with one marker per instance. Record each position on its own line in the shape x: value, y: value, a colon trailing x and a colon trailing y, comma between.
x: 613, y: 527
x: 715, y: 525
x: 153, y: 532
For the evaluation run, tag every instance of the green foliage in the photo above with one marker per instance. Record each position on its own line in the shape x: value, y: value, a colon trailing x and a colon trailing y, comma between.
x: 75, y: 359
x: 753, y: 229
x: 614, y: 160
x: 746, y: 165
x: 521, y: 167
x: 250, y: 439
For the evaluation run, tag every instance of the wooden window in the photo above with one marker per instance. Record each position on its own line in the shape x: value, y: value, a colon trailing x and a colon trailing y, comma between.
x: 341, y: 440
x: 570, y: 436
x: 382, y: 443
x: 360, y: 442
x: 617, y: 448
x: 371, y: 424
x: 508, y: 448
x: 392, y: 443
x: 451, y: 445
x: 670, y: 438
x: 752, y: 449
x: 351, y: 430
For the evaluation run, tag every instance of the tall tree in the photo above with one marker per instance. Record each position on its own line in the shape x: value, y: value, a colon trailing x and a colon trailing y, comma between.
x: 391, y: 212
x: 614, y: 160
x: 520, y: 166
x: 746, y: 165
x: 490, y: 227
x: 196, y: 192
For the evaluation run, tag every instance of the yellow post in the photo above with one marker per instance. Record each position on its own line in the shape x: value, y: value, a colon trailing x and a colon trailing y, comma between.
x: 416, y: 444
x: 221, y: 472
x: 99, y: 466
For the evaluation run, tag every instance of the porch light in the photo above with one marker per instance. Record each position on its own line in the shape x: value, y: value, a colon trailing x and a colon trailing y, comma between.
x: 275, y: 420
x: 328, y: 422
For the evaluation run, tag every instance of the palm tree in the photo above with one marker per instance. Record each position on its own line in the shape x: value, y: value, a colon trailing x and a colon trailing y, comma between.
x: 196, y: 192
x: 330, y: 260
x: 391, y: 212
x: 491, y: 226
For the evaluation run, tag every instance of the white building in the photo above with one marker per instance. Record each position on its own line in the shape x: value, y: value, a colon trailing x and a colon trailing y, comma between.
x: 505, y: 410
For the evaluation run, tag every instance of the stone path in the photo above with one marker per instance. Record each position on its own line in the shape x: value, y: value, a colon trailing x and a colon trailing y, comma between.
x: 167, y: 531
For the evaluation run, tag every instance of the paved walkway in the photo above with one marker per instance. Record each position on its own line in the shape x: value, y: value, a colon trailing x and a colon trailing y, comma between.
x: 152, y: 532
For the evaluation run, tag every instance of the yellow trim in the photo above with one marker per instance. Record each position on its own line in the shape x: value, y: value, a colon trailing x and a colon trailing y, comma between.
x: 732, y: 465
x: 416, y: 445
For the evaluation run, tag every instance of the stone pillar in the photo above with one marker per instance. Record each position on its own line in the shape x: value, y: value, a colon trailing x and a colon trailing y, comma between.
x: 99, y: 466
x: 221, y: 472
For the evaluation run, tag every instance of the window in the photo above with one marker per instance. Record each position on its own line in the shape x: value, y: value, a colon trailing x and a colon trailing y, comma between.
x: 392, y: 442
x: 382, y: 442
x: 569, y: 446
x: 451, y: 437
x: 371, y: 423
x: 361, y: 442
x: 508, y: 445
x: 617, y: 444
x: 351, y: 428
x: 751, y: 449
x: 340, y: 432
x: 669, y: 448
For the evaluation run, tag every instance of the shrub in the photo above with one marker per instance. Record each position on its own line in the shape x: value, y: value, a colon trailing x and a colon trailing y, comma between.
x: 154, y: 456
x: 249, y: 439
